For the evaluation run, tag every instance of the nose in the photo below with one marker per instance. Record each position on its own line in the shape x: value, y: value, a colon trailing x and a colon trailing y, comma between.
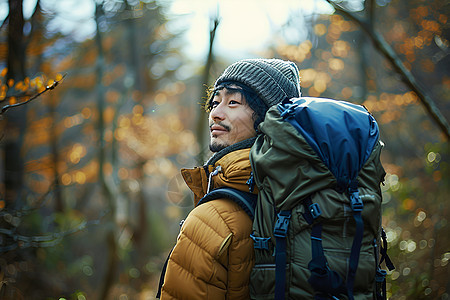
x: 218, y: 112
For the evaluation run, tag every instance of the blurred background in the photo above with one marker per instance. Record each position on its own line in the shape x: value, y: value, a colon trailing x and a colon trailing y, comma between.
x: 101, y: 108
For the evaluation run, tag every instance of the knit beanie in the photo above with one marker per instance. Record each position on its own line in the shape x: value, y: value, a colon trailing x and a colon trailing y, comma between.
x: 272, y: 79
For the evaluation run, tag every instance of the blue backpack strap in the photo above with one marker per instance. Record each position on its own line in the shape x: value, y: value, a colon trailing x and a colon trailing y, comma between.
x: 357, y: 207
x: 246, y: 200
x: 162, y: 276
x: 163, y: 271
x: 383, y: 252
x: 380, y: 277
x: 280, y: 233
x: 325, y: 282
x: 380, y: 280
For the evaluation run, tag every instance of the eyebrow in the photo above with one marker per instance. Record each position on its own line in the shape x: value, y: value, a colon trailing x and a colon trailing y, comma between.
x: 228, y: 91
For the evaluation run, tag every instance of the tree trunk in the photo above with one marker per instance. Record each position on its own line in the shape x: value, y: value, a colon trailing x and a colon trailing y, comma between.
x: 133, y: 51
x: 202, y: 119
x: 16, y: 49
x: 108, y: 195
x: 15, y: 119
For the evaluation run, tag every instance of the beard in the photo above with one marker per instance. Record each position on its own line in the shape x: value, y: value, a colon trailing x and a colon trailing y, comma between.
x: 216, y: 147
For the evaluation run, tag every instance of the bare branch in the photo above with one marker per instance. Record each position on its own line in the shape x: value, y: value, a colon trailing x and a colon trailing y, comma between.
x: 47, y: 88
x: 5, y: 22
x: 407, y: 77
x: 27, y: 209
x: 48, y: 240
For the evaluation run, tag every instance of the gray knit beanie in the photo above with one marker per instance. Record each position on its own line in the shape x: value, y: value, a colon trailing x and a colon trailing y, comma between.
x: 272, y: 79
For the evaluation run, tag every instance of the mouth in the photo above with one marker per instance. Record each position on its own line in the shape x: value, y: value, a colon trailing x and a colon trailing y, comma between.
x: 218, y: 129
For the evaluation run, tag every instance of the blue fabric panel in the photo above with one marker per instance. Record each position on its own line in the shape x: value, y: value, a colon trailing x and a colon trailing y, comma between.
x: 341, y: 133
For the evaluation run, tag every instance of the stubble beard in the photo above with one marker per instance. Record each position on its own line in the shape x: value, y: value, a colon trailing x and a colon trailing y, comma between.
x: 216, y: 146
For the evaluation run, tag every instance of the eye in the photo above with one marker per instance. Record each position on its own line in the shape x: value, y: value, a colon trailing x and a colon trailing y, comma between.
x: 214, y: 103
x: 234, y: 102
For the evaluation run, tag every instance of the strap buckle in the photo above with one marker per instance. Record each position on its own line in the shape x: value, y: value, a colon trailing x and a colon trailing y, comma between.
x: 282, y: 224
x: 315, y: 210
x: 260, y: 242
x: 380, y: 275
x: 356, y: 202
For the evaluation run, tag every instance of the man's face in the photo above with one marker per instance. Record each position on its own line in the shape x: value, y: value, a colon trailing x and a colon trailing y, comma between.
x: 230, y: 120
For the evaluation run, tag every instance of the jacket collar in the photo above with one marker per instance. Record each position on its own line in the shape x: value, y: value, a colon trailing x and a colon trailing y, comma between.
x: 248, y: 143
x: 234, y: 170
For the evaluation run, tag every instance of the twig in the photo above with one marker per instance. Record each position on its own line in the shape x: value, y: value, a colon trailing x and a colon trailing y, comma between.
x: 19, y: 95
x: 47, y: 88
x: 27, y: 209
x: 407, y: 77
x: 48, y: 240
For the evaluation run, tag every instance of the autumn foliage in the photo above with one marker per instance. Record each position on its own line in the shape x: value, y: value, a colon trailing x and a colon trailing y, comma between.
x: 93, y: 136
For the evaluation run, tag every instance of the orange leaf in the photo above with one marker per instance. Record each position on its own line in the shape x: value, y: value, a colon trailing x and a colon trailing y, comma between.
x: 4, y: 71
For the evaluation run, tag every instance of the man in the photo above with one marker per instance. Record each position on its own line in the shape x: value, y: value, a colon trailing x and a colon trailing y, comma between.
x: 213, y: 256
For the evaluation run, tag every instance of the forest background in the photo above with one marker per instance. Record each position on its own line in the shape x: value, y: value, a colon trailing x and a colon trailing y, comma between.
x: 100, y: 108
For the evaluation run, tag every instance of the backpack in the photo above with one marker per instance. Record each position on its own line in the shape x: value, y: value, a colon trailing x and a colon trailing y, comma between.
x: 317, y: 224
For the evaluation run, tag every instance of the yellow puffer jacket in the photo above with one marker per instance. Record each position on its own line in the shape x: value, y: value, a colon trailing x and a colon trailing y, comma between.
x: 213, y: 256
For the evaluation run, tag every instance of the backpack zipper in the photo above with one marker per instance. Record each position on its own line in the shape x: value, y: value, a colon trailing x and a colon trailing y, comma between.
x: 251, y: 183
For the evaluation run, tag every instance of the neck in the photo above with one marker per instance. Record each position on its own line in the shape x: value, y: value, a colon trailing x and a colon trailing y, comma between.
x: 248, y: 143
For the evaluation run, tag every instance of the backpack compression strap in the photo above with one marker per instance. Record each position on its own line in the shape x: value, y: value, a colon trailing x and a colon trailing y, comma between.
x: 280, y: 233
x: 324, y: 281
x: 247, y: 201
x: 357, y: 207
x: 380, y: 277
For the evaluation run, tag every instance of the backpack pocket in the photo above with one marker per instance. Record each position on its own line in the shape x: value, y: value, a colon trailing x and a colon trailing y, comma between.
x: 262, y: 282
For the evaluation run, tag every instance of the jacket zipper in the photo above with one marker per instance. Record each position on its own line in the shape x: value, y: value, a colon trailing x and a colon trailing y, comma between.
x: 214, y: 173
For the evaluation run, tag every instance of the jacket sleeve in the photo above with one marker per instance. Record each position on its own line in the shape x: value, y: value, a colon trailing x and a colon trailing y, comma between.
x: 213, y: 256
x: 240, y: 254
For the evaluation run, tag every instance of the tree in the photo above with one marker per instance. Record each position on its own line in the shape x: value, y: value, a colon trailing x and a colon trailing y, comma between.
x: 16, y: 121
x: 61, y: 192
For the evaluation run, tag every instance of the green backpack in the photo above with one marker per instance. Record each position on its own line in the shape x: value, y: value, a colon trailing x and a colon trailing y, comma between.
x: 317, y: 222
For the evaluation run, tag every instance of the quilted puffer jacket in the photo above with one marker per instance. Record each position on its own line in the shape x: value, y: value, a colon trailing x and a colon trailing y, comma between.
x: 213, y: 256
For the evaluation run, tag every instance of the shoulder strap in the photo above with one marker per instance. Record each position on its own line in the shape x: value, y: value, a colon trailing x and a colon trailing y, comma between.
x: 246, y: 200
x: 163, y: 271
x: 161, y: 278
